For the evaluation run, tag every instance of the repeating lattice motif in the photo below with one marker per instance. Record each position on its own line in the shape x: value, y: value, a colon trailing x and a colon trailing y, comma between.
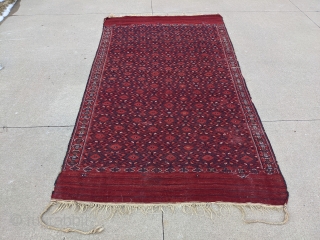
x: 166, y: 102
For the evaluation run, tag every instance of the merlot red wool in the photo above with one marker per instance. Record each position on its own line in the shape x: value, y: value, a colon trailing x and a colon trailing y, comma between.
x: 166, y: 117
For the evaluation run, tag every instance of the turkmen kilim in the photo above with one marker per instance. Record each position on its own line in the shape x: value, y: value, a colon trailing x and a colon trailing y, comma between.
x: 166, y: 117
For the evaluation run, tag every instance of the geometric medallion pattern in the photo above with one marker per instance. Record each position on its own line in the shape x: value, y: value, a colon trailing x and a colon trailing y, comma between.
x: 166, y: 98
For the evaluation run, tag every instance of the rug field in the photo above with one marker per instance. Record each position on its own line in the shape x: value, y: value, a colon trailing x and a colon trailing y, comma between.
x: 166, y: 118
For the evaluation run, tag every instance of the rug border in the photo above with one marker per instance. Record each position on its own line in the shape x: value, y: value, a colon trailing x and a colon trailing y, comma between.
x: 82, y: 103
x: 254, y: 107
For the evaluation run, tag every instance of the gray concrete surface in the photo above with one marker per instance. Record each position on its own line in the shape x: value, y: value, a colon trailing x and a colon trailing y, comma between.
x: 47, y: 48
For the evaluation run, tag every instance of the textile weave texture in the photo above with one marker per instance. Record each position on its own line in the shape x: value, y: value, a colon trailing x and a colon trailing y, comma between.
x: 166, y: 117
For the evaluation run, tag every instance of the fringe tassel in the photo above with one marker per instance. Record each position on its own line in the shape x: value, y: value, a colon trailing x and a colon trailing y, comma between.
x: 66, y: 230
x: 188, y: 208
x: 263, y: 209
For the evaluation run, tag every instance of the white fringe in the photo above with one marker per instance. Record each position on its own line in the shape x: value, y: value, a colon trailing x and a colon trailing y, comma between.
x: 207, y: 209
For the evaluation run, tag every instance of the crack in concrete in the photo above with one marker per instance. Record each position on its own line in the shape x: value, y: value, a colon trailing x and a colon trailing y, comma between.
x: 62, y: 126
x: 68, y: 126
x: 151, y: 8
x: 78, y: 14
x: 305, y: 14
x: 198, y: 12
x: 162, y: 228
x: 297, y: 120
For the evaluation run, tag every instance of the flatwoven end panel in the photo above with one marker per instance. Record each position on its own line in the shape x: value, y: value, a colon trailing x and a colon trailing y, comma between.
x: 167, y: 118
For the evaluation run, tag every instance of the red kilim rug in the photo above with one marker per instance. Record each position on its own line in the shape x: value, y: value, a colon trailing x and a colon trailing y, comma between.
x: 166, y: 118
